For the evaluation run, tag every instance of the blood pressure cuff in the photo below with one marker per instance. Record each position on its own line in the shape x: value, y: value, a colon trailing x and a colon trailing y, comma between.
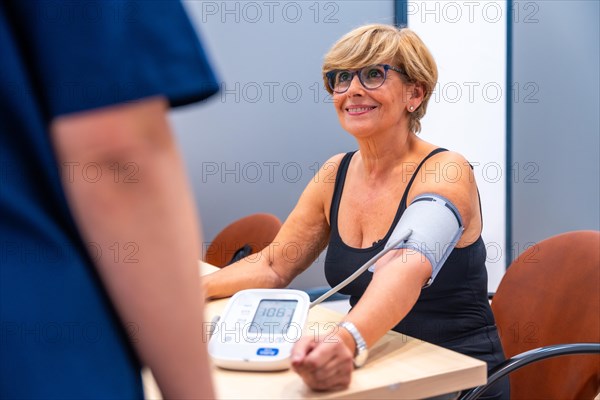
x: 436, y: 227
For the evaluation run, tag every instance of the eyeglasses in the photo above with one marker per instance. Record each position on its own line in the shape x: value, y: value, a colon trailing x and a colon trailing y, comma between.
x: 371, y: 77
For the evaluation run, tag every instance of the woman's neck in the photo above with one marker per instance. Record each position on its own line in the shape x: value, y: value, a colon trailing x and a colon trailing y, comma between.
x: 380, y: 154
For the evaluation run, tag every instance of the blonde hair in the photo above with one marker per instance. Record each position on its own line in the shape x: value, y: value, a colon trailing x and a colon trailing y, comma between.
x: 376, y: 44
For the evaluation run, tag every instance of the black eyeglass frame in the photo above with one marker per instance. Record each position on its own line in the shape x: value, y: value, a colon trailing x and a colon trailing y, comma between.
x: 330, y: 75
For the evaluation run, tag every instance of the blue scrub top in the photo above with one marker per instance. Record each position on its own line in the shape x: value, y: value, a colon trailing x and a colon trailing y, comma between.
x: 59, y: 334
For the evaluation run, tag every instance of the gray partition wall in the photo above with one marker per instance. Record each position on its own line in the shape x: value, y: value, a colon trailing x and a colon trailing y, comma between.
x: 254, y: 146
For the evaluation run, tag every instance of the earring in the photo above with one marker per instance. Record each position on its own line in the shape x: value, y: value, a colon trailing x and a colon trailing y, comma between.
x: 411, y: 108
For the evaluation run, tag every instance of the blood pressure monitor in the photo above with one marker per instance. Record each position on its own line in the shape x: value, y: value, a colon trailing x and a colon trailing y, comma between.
x: 258, y: 329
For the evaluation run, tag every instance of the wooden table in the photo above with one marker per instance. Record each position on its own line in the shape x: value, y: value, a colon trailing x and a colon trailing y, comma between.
x: 398, y: 367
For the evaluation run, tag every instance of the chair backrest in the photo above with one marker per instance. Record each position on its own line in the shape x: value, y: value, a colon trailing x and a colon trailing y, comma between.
x: 551, y: 295
x: 254, y: 232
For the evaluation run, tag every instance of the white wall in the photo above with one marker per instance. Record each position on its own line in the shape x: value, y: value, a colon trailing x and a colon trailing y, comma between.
x: 467, y: 112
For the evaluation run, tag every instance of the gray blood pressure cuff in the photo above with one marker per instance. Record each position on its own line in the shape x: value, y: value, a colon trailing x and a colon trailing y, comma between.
x: 436, y: 227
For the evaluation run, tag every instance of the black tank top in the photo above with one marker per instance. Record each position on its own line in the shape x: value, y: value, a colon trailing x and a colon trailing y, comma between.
x: 455, y: 306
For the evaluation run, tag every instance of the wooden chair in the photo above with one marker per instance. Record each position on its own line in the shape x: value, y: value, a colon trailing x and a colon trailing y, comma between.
x: 243, y: 237
x: 548, y: 304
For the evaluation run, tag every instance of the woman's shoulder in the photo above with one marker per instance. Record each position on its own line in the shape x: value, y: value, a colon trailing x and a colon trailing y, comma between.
x: 319, y: 191
x: 445, y: 168
x: 433, y: 153
x: 325, y: 177
x: 328, y: 170
x: 337, y: 158
x: 442, y: 171
x: 449, y: 175
x: 434, y: 157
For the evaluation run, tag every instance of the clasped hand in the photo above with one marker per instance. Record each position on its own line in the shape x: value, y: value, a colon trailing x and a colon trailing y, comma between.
x: 324, y: 362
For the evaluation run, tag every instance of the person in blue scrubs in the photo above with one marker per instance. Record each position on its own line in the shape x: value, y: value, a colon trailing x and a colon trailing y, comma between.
x: 98, y: 238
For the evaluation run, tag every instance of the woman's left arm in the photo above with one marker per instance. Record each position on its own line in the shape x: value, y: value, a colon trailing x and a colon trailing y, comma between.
x: 328, y: 364
x: 400, y: 275
x: 396, y: 284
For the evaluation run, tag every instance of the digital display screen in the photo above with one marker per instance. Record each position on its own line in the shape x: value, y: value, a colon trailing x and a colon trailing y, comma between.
x: 273, y: 316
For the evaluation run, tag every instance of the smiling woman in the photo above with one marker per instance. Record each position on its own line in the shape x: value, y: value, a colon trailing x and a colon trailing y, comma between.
x: 375, y: 44
x: 381, y: 79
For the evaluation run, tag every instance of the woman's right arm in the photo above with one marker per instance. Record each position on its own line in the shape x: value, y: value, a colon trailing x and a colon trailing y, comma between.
x: 299, y: 242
